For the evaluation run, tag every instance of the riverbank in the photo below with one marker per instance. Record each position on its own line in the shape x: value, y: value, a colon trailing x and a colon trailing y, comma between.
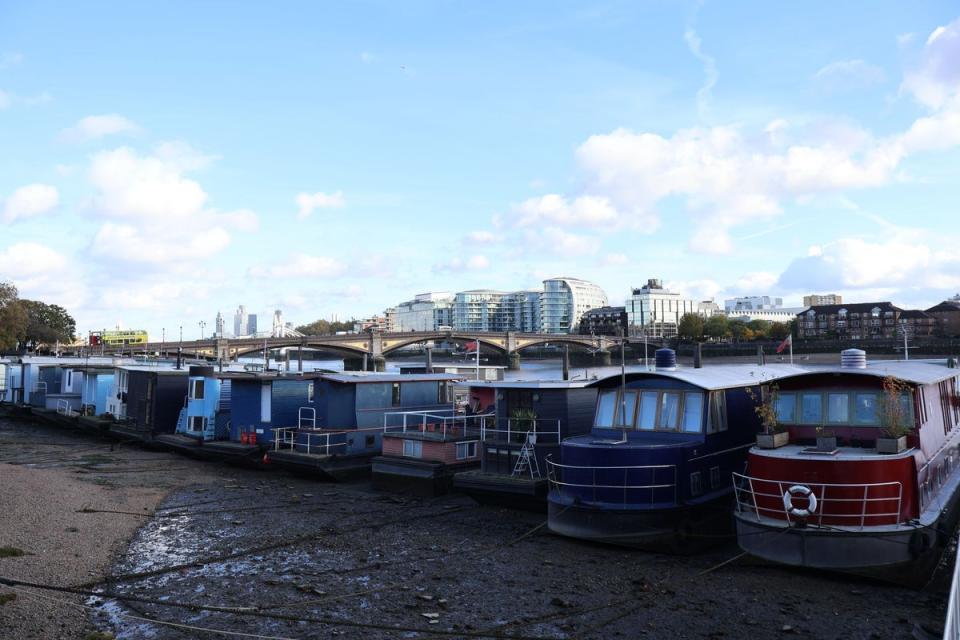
x: 296, y: 558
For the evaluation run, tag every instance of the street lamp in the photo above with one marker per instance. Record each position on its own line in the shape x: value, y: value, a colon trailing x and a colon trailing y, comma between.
x: 202, y: 325
x: 163, y: 339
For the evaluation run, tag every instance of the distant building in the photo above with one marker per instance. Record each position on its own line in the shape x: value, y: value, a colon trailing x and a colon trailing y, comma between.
x: 373, y: 323
x: 605, y: 321
x: 656, y: 312
x: 818, y: 300
x: 244, y: 324
x: 390, y: 319
x: 565, y: 300
x: 862, y: 321
x: 783, y: 314
x: 479, y: 310
x: 220, y: 325
x: 426, y: 312
x: 947, y: 316
x: 751, y: 303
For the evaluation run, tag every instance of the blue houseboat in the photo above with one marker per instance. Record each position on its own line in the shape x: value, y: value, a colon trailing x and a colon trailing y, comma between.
x: 340, y: 427
x: 204, y: 414
x: 530, y: 420
x: 655, y: 471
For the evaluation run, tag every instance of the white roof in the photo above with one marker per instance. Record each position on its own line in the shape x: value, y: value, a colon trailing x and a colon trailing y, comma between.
x: 722, y: 376
x: 914, y: 371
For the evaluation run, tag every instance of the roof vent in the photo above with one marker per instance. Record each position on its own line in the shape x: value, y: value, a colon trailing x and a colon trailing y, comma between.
x: 666, y: 359
x: 853, y: 359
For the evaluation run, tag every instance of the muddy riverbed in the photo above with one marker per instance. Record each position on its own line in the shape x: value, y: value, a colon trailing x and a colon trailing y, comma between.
x: 276, y: 555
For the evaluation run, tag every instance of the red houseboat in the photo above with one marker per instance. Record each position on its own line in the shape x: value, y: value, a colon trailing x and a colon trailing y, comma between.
x: 843, y: 504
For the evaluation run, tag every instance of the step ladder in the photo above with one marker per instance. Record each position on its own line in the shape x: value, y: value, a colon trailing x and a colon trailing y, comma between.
x: 527, y: 460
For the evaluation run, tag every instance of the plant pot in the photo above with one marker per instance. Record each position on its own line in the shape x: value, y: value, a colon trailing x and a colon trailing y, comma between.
x: 892, y: 445
x: 826, y: 443
x: 773, y: 440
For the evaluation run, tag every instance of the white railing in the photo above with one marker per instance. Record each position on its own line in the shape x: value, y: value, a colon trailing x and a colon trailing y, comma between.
x: 837, y: 504
x: 308, y: 441
x: 559, y: 477
x: 932, y: 475
x: 951, y: 629
x: 63, y: 408
x: 438, y: 422
x: 307, y: 418
x: 515, y: 430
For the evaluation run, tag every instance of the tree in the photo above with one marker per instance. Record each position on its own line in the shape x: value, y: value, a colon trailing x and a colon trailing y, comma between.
x: 717, y: 327
x: 13, y: 317
x: 738, y: 329
x: 47, y: 324
x: 759, y: 328
x: 691, y: 326
x: 779, y: 330
x: 326, y: 327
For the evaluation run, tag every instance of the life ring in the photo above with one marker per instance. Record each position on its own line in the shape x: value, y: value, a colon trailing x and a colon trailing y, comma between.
x: 799, y: 490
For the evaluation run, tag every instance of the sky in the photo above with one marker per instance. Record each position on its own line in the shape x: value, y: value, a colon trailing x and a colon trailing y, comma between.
x: 162, y: 162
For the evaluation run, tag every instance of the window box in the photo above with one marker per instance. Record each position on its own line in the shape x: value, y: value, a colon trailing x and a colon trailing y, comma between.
x: 892, y: 445
x: 773, y: 440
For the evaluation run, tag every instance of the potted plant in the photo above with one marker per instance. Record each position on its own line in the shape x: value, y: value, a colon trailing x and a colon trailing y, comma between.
x: 895, y: 423
x: 524, y: 420
x: 826, y: 440
x: 774, y: 434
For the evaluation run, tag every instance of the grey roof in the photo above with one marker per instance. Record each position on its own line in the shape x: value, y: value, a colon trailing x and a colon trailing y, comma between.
x: 530, y: 384
x: 913, y: 371
x: 720, y: 376
x: 391, y: 377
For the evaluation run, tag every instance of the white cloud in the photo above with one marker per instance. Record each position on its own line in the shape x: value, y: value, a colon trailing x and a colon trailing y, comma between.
x: 96, y: 127
x: 41, y: 273
x: 843, y: 75
x: 456, y: 264
x: 366, y: 57
x: 936, y: 79
x: 241, y: 220
x: 308, y: 202
x: 615, y: 260
x: 145, y: 245
x: 10, y: 59
x: 481, y: 237
x: 705, y: 94
x: 585, y: 211
x: 301, y: 266
x: 29, y: 201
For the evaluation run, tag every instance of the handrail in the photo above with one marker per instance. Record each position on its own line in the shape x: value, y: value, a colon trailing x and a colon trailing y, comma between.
x: 774, y: 504
x: 951, y: 628
x: 436, y: 421
x: 593, y: 486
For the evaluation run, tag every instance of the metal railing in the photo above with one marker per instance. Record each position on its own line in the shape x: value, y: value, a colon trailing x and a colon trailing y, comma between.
x: 631, y: 483
x: 837, y: 504
x: 63, y: 408
x: 308, y: 441
x: 516, y: 430
x: 441, y: 423
x: 932, y: 475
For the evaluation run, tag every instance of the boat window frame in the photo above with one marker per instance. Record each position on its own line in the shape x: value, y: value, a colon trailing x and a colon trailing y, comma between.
x: 840, y: 394
x: 656, y: 406
x: 197, y: 383
x: 793, y: 395
x: 683, y: 414
x: 623, y: 405
x: 800, y: 413
x: 717, y: 416
x: 467, y: 446
x: 415, y: 448
x: 875, y: 421
x: 604, y: 393
x: 660, y: 411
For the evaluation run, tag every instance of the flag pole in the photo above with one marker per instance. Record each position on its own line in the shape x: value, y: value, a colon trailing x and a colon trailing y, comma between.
x: 791, y: 348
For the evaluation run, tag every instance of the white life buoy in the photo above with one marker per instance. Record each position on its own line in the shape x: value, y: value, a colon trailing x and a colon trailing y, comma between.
x: 799, y: 490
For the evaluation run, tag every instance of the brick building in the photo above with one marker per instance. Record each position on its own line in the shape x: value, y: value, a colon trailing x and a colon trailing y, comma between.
x: 947, y: 316
x: 862, y: 321
x: 604, y: 321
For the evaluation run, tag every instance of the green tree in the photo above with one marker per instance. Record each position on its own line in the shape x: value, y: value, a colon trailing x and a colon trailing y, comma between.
x: 759, y: 328
x: 717, y: 327
x: 47, y: 324
x: 738, y: 330
x: 13, y: 317
x: 326, y: 327
x: 779, y: 330
x: 691, y: 326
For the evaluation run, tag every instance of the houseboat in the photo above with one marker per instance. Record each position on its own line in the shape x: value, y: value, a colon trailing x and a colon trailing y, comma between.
x: 204, y: 414
x: 145, y: 401
x: 530, y: 419
x: 850, y: 503
x: 655, y: 470
x: 339, y: 428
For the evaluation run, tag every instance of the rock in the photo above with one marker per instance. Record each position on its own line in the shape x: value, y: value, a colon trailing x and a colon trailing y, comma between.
x: 560, y: 602
x: 236, y: 522
x: 430, y: 616
x: 424, y: 596
x: 787, y: 629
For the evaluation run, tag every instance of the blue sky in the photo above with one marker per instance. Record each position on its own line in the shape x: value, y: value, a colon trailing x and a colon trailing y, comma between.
x: 162, y: 163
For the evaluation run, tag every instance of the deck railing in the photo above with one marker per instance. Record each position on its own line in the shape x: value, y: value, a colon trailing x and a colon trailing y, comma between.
x: 63, y: 408
x: 629, y: 484
x: 932, y: 475
x: 859, y: 504
x: 516, y: 430
x: 951, y: 629
x: 444, y: 423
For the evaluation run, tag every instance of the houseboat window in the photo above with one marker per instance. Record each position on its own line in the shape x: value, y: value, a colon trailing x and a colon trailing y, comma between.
x: 811, y: 408
x: 265, y: 403
x: 908, y: 417
x: 395, y: 398
x: 197, y: 423
x: 692, y: 412
x: 838, y: 407
x: 786, y: 407
x: 648, y: 410
x: 669, y: 410
x: 718, y: 412
x: 606, y: 406
x: 412, y: 449
x: 865, y: 408
x: 627, y: 409
x: 197, y: 390
x: 310, y: 392
x: 466, y: 450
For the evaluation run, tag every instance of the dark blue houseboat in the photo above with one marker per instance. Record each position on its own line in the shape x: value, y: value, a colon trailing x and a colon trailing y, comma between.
x: 530, y: 420
x: 145, y: 401
x: 655, y: 471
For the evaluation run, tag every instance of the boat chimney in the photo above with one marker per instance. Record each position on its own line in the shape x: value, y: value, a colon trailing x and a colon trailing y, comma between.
x: 952, y: 363
x: 761, y: 360
x: 853, y: 359
x: 698, y: 356
x: 665, y: 359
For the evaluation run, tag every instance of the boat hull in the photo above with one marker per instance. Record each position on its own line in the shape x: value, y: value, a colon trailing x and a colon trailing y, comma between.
x: 681, y: 529
x: 527, y: 494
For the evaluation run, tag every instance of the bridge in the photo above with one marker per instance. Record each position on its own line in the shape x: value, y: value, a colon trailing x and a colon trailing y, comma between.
x: 373, y: 345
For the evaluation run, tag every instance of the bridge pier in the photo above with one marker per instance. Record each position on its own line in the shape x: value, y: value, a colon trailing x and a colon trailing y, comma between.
x: 590, y: 359
x: 513, y: 360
